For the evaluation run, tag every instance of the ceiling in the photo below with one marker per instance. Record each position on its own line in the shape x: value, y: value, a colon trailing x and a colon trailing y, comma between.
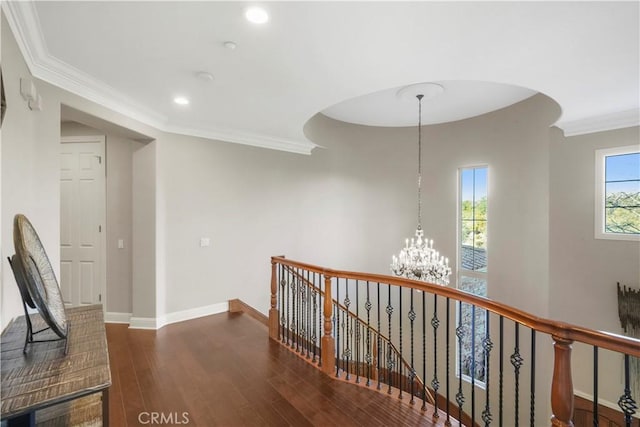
x: 135, y: 57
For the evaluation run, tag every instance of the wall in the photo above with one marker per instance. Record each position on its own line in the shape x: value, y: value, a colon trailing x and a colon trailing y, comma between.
x: 144, y: 270
x: 584, y: 270
x: 254, y: 203
x: 30, y: 172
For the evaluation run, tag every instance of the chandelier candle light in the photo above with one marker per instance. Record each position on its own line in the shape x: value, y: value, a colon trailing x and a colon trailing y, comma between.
x: 418, y: 259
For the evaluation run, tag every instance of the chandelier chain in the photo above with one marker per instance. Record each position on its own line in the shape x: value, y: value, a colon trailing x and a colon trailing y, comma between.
x: 420, y: 96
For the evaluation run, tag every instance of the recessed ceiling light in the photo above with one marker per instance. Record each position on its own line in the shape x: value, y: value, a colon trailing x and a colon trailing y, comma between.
x: 181, y: 100
x: 204, y: 76
x: 256, y: 15
x: 230, y: 45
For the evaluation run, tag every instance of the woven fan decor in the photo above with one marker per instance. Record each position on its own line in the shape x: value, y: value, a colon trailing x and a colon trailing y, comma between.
x: 37, y: 275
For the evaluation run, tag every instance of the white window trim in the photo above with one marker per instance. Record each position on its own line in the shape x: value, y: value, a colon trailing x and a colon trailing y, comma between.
x: 599, y: 222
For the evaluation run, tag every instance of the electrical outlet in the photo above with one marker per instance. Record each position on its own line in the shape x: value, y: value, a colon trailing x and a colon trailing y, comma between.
x: 120, y: 244
x: 204, y: 242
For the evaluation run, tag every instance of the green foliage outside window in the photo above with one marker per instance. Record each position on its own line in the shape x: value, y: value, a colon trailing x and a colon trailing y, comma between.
x: 474, y: 223
x: 622, y: 213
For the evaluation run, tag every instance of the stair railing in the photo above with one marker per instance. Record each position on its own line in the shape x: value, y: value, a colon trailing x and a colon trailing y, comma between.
x: 327, y: 315
x: 369, y: 343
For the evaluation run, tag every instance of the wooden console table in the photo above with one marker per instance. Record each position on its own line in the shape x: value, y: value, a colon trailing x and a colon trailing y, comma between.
x: 47, y: 387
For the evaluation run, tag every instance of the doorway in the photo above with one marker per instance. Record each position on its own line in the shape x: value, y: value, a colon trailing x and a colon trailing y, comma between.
x: 82, y: 220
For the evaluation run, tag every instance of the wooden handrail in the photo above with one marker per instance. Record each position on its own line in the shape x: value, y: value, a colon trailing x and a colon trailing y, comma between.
x: 564, y: 331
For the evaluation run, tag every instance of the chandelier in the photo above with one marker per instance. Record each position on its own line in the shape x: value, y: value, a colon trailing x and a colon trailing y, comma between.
x: 418, y: 259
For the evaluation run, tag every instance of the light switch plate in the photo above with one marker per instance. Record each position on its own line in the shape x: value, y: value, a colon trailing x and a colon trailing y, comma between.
x: 120, y: 244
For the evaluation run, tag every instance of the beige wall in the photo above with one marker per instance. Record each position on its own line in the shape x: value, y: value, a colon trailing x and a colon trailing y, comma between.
x: 144, y: 269
x: 30, y: 170
x: 584, y: 270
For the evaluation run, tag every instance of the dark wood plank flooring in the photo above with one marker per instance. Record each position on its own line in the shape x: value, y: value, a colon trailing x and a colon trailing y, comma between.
x: 223, y: 370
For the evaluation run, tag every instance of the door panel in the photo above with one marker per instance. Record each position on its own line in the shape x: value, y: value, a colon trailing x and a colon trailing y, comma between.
x: 82, y: 213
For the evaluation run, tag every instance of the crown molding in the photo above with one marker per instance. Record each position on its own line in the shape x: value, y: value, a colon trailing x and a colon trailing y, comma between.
x: 24, y: 22
x: 245, y: 138
x: 619, y: 120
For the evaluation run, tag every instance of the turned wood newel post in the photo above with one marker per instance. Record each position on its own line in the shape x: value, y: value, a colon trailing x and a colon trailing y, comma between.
x: 562, y: 384
x: 328, y: 343
x: 274, y: 315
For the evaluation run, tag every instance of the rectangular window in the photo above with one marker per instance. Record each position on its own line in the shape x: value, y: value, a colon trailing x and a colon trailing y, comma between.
x: 617, y: 201
x: 472, y: 269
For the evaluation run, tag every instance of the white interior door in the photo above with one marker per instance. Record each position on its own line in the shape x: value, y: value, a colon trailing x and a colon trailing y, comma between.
x: 82, y: 220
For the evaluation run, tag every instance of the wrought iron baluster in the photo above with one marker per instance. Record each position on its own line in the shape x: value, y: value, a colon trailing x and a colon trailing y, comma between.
x: 310, y: 314
x: 357, y: 337
x: 400, y: 373
x: 460, y: 335
x: 424, y: 352
x: 435, y: 384
x: 288, y: 283
x: 378, y: 338
x: 595, y: 386
x: 299, y: 313
x: 447, y: 328
x: 307, y: 323
x: 390, y: 361
x: 320, y: 320
x: 367, y: 356
x: 626, y: 402
x: 473, y: 364
x: 346, y: 354
x: 487, y: 346
x: 337, y: 327
x: 532, y: 410
x: 501, y: 377
x: 516, y: 361
x: 294, y: 313
x: 314, y: 336
x: 412, y: 373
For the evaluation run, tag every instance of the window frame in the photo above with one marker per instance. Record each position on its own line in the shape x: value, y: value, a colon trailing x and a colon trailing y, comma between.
x: 462, y: 272
x: 600, y: 192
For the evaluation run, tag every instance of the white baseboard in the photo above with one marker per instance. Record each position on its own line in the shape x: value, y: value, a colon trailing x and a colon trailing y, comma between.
x: 113, y: 317
x: 192, y: 313
x: 177, y: 316
x: 142, y: 323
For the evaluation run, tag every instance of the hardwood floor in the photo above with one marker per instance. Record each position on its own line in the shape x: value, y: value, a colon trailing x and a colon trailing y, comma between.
x: 223, y: 370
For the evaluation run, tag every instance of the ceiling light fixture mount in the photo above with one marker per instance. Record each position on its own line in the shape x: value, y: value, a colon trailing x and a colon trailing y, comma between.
x: 418, y: 259
x: 256, y: 15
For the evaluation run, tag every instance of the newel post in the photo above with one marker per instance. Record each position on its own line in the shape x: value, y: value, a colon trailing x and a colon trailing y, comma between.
x: 327, y: 343
x: 562, y: 384
x: 274, y: 314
